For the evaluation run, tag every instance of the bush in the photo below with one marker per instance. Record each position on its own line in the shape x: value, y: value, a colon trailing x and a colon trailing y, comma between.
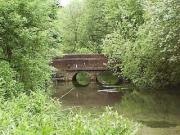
x: 27, y: 38
x: 8, y: 83
x: 154, y: 58
x: 114, y: 46
x: 151, y: 57
x: 38, y: 114
x: 126, y: 18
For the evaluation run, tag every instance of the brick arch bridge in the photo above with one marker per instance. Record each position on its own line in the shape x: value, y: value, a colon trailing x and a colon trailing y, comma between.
x: 68, y: 65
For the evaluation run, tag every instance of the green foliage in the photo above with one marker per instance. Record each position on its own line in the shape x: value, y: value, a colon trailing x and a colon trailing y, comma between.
x: 83, y: 78
x: 70, y: 27
x: 27, y: 39
x: 34, y: 114
x: 37, y: 114
x: 94, y: 25
x: 155, y: 54
x: 107, y: 78
x: 141, y: 38
x: 151, y: 59
x: 80, y: 30
x: 124, y: 17
x: 114, y: 46
x: 8, y: 85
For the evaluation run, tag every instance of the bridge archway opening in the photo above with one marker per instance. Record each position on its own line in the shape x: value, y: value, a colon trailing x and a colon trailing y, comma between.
x: 107, y: 78
x: 81, y: 79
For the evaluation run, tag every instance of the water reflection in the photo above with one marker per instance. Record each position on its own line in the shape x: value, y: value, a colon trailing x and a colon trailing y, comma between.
x: 158, y: 124
x: 157, y: 110
x: 85, y: 96
x: 152, y: 105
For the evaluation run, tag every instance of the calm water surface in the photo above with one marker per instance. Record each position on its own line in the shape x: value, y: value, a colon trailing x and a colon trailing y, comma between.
x: 157, y: 110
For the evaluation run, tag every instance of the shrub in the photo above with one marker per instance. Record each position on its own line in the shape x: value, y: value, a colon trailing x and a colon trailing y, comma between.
x: 126, y: 18
x: 26, y: 40
x: 154, y: 58
x: 38, y: 114
x: 9, y: 86
x: 151, y: 58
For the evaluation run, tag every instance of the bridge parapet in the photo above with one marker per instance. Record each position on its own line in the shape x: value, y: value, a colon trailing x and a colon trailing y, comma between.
x: 81, y: 62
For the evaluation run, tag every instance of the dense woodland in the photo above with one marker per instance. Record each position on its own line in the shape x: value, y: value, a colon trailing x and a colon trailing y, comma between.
x: 140, y: 38
x: 29, y: 39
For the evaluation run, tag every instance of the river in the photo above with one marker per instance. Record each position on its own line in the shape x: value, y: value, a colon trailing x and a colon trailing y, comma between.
x: 157, y: 110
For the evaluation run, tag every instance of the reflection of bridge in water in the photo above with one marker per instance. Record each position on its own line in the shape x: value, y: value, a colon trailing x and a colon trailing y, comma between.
x: 68, y: 65
x: 85, y: 96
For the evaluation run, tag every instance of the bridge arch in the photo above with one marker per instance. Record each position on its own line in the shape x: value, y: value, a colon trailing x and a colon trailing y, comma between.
x: 107, y: 77
x: 81, y: 78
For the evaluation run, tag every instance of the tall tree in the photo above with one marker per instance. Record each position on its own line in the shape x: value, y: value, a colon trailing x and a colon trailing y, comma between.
x: 26, y: 38
x: 70, y: 25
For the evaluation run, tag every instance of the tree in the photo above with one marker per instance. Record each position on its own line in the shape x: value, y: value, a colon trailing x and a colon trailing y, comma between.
x: 94, y: 24
x: 124, y: 19
x: 70, y: 24
x: 156, y: 51
x: 83, y: 26
x: 26, y: 38
x: 152, y: 58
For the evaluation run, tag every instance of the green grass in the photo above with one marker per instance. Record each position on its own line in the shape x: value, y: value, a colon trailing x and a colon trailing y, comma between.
x: 38, y: 114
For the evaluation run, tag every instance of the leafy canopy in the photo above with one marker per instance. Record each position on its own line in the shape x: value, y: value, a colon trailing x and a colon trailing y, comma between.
x: 27, y: 38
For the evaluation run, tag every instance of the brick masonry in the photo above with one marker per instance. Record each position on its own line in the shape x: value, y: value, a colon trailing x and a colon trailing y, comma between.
x: 68, y: 65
